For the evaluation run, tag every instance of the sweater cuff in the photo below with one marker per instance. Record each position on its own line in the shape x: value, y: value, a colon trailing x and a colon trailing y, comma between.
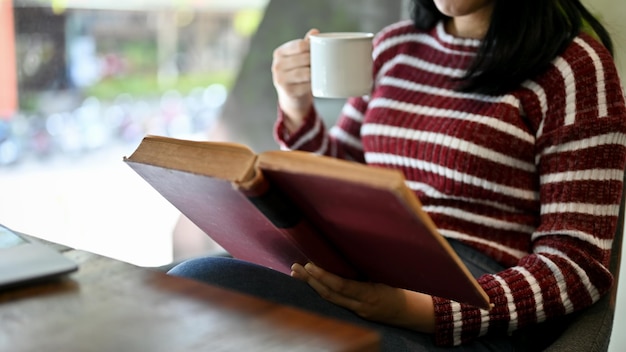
x: 444, y: 322
x: 287, y: 139
x: 456, y: 323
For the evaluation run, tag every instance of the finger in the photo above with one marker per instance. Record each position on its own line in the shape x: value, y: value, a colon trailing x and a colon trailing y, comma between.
x: 294, y: 83
x: 294, y: 77
x: 292, y: 47
x: 348, y: 288
x: 332, y: 296
x: 296, y: 46
x: 331, y: 280
x: 298, y: 272
x: 296, y: 67
x: 311, y: 31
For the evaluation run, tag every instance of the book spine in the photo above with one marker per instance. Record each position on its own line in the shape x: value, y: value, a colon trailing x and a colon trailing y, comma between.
x: 277, y: 208
x: 286, y: 216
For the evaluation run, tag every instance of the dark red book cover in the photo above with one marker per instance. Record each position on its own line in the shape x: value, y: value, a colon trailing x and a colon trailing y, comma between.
x: 232, y: 220
x: 280, y: 208
x: 377, y: 233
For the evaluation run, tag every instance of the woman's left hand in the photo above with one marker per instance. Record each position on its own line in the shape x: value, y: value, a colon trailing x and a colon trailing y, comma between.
x: 371, y: 301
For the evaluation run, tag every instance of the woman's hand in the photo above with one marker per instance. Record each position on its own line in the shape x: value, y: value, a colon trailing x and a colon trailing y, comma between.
x: 371, y: 301
x: 291, y: 74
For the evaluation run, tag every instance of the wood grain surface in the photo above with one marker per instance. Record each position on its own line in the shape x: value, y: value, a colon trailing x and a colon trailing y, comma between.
x: 109, y: 305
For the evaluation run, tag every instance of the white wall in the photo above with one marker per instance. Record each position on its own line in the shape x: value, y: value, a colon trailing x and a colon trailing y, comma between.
x: 611, y: 13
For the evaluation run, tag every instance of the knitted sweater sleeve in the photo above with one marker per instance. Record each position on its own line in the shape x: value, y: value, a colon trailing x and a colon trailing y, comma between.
x: 342, y: 141
x: 580, y: 156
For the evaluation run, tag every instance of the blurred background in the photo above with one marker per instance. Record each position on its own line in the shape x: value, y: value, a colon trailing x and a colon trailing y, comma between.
x: 90, y: 79
x: 81, y: 82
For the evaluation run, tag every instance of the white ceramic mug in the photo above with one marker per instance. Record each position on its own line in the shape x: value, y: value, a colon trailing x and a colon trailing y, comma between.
x: 341, y: 64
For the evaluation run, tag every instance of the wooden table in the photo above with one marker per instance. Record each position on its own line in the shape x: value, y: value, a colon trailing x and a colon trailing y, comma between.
x: 109, y: 305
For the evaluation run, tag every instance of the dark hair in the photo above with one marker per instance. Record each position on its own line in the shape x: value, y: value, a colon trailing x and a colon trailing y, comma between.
x: 524, y: 37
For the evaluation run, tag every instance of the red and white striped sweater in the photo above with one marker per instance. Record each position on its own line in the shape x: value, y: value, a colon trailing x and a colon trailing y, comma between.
x: 532, y: 178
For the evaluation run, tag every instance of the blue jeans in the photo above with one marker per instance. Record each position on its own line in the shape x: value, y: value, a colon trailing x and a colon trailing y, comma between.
x: 274, y: 286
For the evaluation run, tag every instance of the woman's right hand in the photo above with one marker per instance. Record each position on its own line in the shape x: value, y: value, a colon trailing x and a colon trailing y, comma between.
x: 291, y: 74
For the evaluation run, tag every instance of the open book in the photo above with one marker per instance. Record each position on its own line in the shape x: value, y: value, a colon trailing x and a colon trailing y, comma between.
x: 283, y: 207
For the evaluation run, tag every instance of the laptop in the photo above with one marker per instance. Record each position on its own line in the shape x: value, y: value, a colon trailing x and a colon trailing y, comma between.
x: 23, y: 261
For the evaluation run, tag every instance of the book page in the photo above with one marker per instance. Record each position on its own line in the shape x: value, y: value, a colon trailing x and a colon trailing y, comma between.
x: 228, y: 161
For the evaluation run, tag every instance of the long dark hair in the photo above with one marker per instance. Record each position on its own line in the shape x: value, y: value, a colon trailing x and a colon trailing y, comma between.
x: 524, y: 37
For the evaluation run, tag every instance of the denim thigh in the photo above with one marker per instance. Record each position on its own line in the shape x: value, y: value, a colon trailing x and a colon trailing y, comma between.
x: 275, y: 286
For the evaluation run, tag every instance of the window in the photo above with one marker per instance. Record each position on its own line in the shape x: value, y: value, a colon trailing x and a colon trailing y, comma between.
x: 95, y: 76
x: 90, y: 79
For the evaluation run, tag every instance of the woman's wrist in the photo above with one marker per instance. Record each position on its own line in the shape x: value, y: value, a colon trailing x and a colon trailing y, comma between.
x: 295, y: 113
x: 420, y: 312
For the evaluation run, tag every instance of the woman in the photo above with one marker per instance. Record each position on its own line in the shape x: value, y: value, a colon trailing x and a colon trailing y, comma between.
x: 508, y: 121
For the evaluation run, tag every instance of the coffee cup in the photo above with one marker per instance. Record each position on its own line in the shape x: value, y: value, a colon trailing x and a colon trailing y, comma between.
x: 341, y: 64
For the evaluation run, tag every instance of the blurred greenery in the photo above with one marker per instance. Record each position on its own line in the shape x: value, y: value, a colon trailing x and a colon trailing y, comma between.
x: 247, y: 21
x: 146, y: 85
x: 140, y: 55
x: 28, y: 101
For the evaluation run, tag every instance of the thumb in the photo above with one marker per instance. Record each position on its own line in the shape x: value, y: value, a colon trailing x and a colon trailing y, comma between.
x: 311, y: 32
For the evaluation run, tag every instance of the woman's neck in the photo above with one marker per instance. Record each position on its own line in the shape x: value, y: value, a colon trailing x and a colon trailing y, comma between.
x: 473, y: 26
